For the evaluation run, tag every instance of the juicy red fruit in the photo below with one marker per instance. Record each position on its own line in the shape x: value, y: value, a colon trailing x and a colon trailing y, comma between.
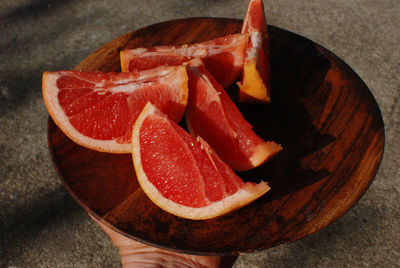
x: 99, y: 111
x: 212, y: 115
x: 174, y: 168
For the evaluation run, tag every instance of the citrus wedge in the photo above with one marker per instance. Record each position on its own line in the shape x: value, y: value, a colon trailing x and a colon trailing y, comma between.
x: 183, y: 175
x: 223, y: 56
x: 211, y: 114
x: 97, y: 110
x: 256, y: 78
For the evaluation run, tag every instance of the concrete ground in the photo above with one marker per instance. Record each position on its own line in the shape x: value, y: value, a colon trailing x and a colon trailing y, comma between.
x: 42, y: 226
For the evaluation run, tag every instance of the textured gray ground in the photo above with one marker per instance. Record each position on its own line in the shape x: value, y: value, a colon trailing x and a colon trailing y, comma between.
x: 40, y: 224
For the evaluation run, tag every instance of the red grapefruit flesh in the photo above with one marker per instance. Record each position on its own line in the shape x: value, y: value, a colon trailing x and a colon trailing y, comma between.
x: 211, y: 114
x: 256, y: 84
x: 223, y: 56
x: 183, y: 175
x: 97, y: 110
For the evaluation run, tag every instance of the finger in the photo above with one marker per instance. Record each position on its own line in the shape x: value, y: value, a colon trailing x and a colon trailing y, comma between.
x: 134, y: 253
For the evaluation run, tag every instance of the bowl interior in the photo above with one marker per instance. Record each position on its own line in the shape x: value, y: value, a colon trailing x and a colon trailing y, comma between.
x: 322, y: 113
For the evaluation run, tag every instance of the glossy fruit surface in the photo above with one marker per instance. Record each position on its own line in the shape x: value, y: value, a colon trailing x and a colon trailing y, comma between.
x: 223, y: 56
x: 97, y: 110
x: 183, y: 175
x: 212, y: 115
x: 255, y: 86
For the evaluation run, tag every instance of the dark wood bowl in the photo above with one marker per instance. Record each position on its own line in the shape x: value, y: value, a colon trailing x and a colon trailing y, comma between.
x: 322, y: 113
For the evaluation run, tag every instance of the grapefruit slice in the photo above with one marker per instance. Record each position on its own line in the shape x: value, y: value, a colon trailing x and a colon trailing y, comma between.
x: 97, y: 110
x: 183, y: 175
x: 223, y: 56
x: 256, y: 78
x: 211, y: 114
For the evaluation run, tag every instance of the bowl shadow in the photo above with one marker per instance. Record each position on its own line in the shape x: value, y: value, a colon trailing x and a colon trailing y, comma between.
x: 290, y: 119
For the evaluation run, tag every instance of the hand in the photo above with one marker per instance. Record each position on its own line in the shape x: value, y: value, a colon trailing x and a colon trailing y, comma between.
x: 136, y: 254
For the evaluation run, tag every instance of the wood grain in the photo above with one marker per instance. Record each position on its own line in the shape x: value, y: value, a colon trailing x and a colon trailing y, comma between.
x: 322, y: 113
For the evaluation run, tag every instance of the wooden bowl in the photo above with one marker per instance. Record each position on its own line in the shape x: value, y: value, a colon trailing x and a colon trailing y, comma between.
x: 322, y: 113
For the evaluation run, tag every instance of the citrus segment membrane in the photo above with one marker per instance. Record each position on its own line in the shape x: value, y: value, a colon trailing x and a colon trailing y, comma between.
x: 183, y: 175
x: 255, y: 86
x: 212, y: 115
x: 223, y: 56
x: 97, y: 110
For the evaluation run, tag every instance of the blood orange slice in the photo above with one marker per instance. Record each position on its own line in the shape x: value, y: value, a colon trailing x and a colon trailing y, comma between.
x: 223, y: 56
x: 183, y: 175
x: 212, y: 115
x: 98, y: 110
x: 256, y: 84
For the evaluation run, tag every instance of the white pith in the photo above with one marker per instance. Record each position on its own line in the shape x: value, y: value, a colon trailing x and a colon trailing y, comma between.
x: 199, y: 50
x: 62, y: 121
x: 263, y: 152
x: 213, y: 96
x: 255, y: 38
x: 243, y: 196
x: 50, y: 93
